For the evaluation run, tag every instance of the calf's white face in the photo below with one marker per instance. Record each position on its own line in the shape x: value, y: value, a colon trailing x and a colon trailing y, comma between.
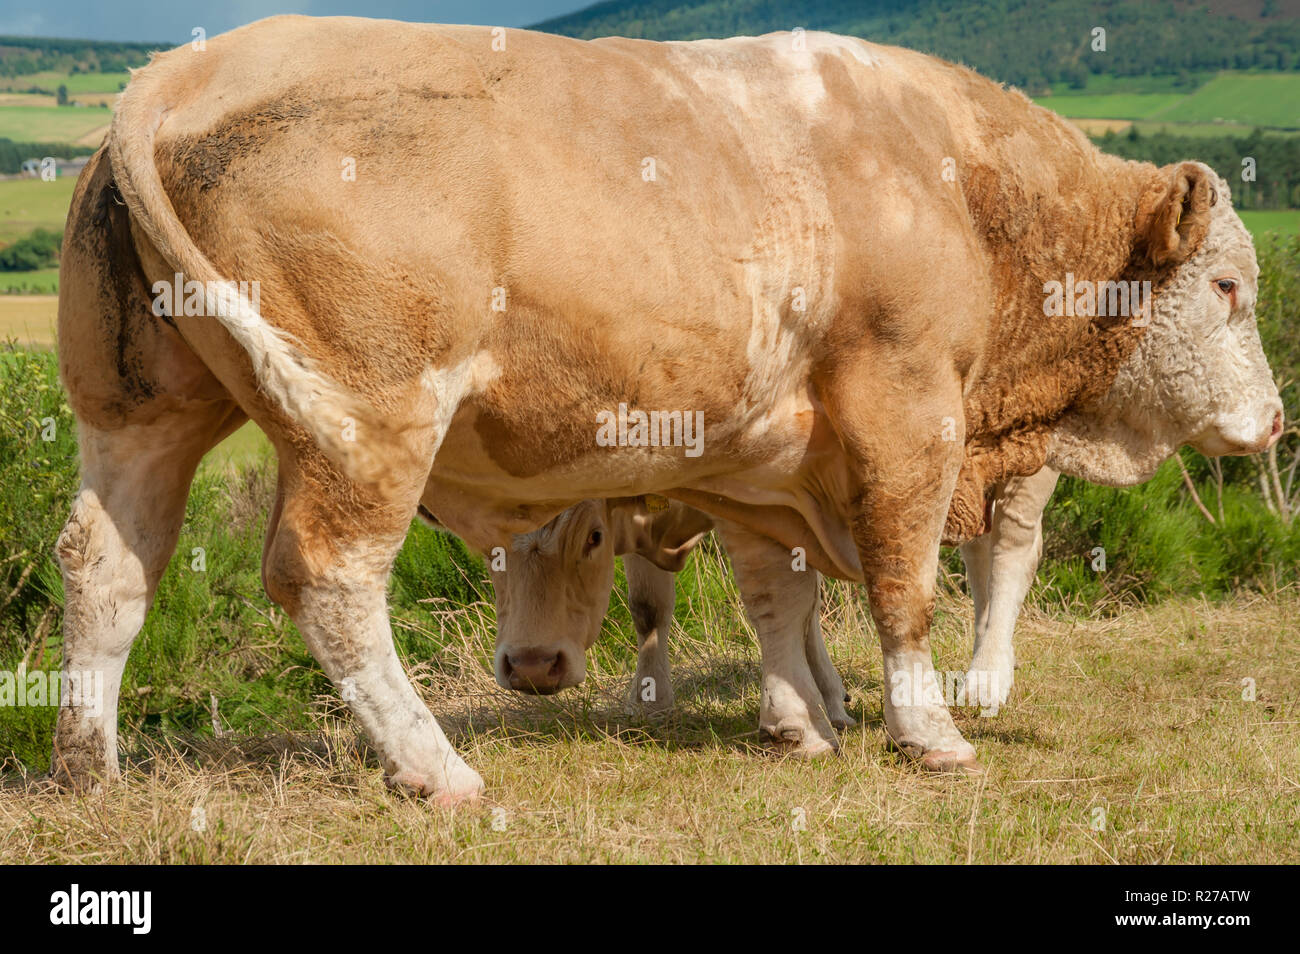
x: 551, y: 599
x: 553, y: 594
x: 1198, y: 376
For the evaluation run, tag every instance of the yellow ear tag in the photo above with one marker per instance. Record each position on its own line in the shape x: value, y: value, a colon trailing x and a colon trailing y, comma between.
x: 655, y: 504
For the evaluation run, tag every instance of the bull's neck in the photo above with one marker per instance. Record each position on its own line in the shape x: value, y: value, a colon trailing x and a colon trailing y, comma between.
x: 1058, y: 210
x: 1041, y: 239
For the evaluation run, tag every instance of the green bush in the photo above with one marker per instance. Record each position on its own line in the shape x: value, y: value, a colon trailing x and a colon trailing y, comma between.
x: 40, y: 249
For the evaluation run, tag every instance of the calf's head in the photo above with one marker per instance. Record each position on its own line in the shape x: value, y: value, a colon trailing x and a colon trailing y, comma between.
x: 554, y: 589
x: 1198, y: 375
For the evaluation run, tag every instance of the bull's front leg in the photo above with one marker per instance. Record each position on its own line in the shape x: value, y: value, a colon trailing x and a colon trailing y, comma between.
x: 906, y: 462
x: 781, y: 604
x: 1000, y: 567
x: 651, y: 595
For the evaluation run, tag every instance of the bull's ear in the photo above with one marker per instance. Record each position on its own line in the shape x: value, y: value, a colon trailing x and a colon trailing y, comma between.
x: 1173, y: 215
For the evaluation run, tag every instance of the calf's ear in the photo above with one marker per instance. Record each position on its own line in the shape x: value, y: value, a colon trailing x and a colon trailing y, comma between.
x: 663, y: 532
x: 1173, y: 214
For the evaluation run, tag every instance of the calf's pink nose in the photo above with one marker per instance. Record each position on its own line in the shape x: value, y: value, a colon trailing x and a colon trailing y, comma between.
x: 535, y: 671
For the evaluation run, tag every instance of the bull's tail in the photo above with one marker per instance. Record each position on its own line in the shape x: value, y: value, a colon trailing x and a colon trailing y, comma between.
x: 333, y: 414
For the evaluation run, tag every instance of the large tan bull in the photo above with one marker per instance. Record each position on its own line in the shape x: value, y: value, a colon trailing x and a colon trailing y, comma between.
x: 834, y: 255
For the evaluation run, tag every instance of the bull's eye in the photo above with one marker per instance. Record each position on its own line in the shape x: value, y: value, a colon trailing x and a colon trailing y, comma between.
x: 1226, y: 285
x: 593, y: 540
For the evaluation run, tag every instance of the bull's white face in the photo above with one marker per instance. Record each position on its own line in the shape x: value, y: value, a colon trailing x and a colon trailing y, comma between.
x: 1197, y: 377
x: 552, y: 598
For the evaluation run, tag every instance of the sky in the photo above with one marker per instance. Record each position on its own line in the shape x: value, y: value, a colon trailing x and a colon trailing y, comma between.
x: 171, y: 21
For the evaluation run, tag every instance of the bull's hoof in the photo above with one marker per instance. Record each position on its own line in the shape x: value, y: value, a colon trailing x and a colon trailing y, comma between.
x: 842, y: 720
x: 951, y: 763
x: 792, y: 739
x: 461, y: 786
x: 987, y: 688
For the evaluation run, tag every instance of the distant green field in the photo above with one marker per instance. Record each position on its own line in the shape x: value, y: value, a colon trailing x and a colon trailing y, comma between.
x: 1240, y: 99
x: 1264, y: 99
x: 42, y: 281
x: 51, y: 123
x: 1239, y: 130
x: 1103, y: 83
x: 27, y: 204
x: 246, y: 445
x: 75, y: 82
x: 1281, y: 220
x: 1110, y: 106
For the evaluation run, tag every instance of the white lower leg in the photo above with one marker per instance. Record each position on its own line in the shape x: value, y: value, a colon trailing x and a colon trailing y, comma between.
x: 348, y: 631
x: 113, y: 549
x: 780, y: 602
x: 916, y: 715
x: 1013, y: 549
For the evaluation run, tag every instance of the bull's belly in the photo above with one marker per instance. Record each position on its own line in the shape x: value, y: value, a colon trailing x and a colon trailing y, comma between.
x: 781, y: 473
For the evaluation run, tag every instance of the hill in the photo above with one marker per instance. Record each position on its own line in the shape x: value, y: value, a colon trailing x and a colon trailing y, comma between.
x: 1031, y: 43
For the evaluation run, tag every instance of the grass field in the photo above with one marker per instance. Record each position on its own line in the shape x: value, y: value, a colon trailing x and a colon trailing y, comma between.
x: 28, y: 319
x: 50, y: 81
x: 27, y: 204
x: 39, y: 282
x: 1127, y: 740
x: 1263, y: 221
x: 1110, y: 105
x: 52, y: 123
x: 1236, y: 100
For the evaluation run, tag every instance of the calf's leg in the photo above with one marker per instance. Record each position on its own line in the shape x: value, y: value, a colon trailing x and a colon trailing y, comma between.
x: 651, y: 596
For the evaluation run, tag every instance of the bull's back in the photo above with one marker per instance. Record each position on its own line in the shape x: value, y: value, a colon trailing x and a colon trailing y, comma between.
x: 606, y: 219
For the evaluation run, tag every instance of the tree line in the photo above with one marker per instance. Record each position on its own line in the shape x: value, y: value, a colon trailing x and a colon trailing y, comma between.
x: 1030, y: 43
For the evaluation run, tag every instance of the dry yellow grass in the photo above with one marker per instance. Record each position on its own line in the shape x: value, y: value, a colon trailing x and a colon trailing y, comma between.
x: 29, y: 319
x: 1127, y: 740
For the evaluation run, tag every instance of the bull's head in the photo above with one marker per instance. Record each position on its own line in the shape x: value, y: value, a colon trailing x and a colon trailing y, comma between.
x: 554, y: 591
x: 1198, y: 375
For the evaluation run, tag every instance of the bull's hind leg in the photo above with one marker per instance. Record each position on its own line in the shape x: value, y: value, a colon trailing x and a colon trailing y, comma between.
x: 824, y: 672
x: 113, y: 550
x: 147, y: 411
x: 328, y: 556
x: 782, y: 603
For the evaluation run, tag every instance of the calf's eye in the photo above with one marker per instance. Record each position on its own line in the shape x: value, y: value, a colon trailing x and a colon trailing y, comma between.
x: 1226, y: 285
x: 593, y: 540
